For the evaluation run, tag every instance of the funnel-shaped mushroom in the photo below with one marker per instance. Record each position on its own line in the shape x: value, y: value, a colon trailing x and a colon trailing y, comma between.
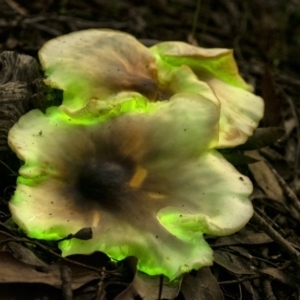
x: 147, y: 182
x: 97, y: 65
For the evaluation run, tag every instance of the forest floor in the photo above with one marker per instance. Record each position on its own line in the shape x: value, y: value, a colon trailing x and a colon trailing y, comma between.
x: 259, y: 262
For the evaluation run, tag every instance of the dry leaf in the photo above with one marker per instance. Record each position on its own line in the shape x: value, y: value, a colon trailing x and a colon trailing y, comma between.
x: 13, y: 270
x: 233, y: 263
x: 243, y: 237
x: 262, y: 137
x: 265, y: 178
x: 282, y: 276
x: 147, y: 287
x: 202, y: 287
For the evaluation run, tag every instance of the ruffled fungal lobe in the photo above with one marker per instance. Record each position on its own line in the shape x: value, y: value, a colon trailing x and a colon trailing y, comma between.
x: 217, y: 78
x: 94, y: 66
x: 97, y: 64
x: 147, y: 182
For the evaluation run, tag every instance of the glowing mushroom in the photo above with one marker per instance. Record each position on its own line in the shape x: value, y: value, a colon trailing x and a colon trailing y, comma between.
x: 148, y: 182
x: 94, y: 66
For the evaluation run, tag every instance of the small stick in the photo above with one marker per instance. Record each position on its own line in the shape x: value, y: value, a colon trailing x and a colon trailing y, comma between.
x: 296, y: 118
x: 17, y: 8
x: 196, y: 17
x: 288, y: 191
x: 271, y: 154
x: 269, y: 230
x: 66, y: 279
x: 161, y: 283
x: 240, y: 280
x: 266, y: 284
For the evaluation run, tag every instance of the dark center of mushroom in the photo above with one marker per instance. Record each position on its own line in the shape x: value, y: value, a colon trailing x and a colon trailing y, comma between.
x: 104, y: 180
x: 147, y: 87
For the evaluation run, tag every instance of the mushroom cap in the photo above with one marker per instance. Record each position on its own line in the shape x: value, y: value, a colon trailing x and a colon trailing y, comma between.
x: 153, y: 184
x: 94, y: 66
x: 97, y: 64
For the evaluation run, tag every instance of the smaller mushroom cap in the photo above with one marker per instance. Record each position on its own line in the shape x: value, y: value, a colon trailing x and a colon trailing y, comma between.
x: 217, y: 74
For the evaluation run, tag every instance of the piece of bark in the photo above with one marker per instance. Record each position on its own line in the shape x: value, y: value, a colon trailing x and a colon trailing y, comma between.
x: 17, y: 68
x: 16, y: 74
x: 14, y: 102
x: 21, y: 89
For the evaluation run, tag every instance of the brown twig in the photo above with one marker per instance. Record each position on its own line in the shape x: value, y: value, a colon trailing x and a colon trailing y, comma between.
x: 296, y: 118
x: 269, y: 230
x: 17, y: 7
x: 101, y: 287
x: 288, y: 191
x: 239, y: 280
x: 266, y: 284
x: 66, y: 279
x: 271, y: 154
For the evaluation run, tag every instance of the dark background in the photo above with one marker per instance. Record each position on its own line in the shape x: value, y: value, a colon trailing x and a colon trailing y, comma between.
x: 265, y: 36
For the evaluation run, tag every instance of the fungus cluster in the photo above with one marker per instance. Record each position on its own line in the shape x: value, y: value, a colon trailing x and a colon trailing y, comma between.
x: 131, y: 152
